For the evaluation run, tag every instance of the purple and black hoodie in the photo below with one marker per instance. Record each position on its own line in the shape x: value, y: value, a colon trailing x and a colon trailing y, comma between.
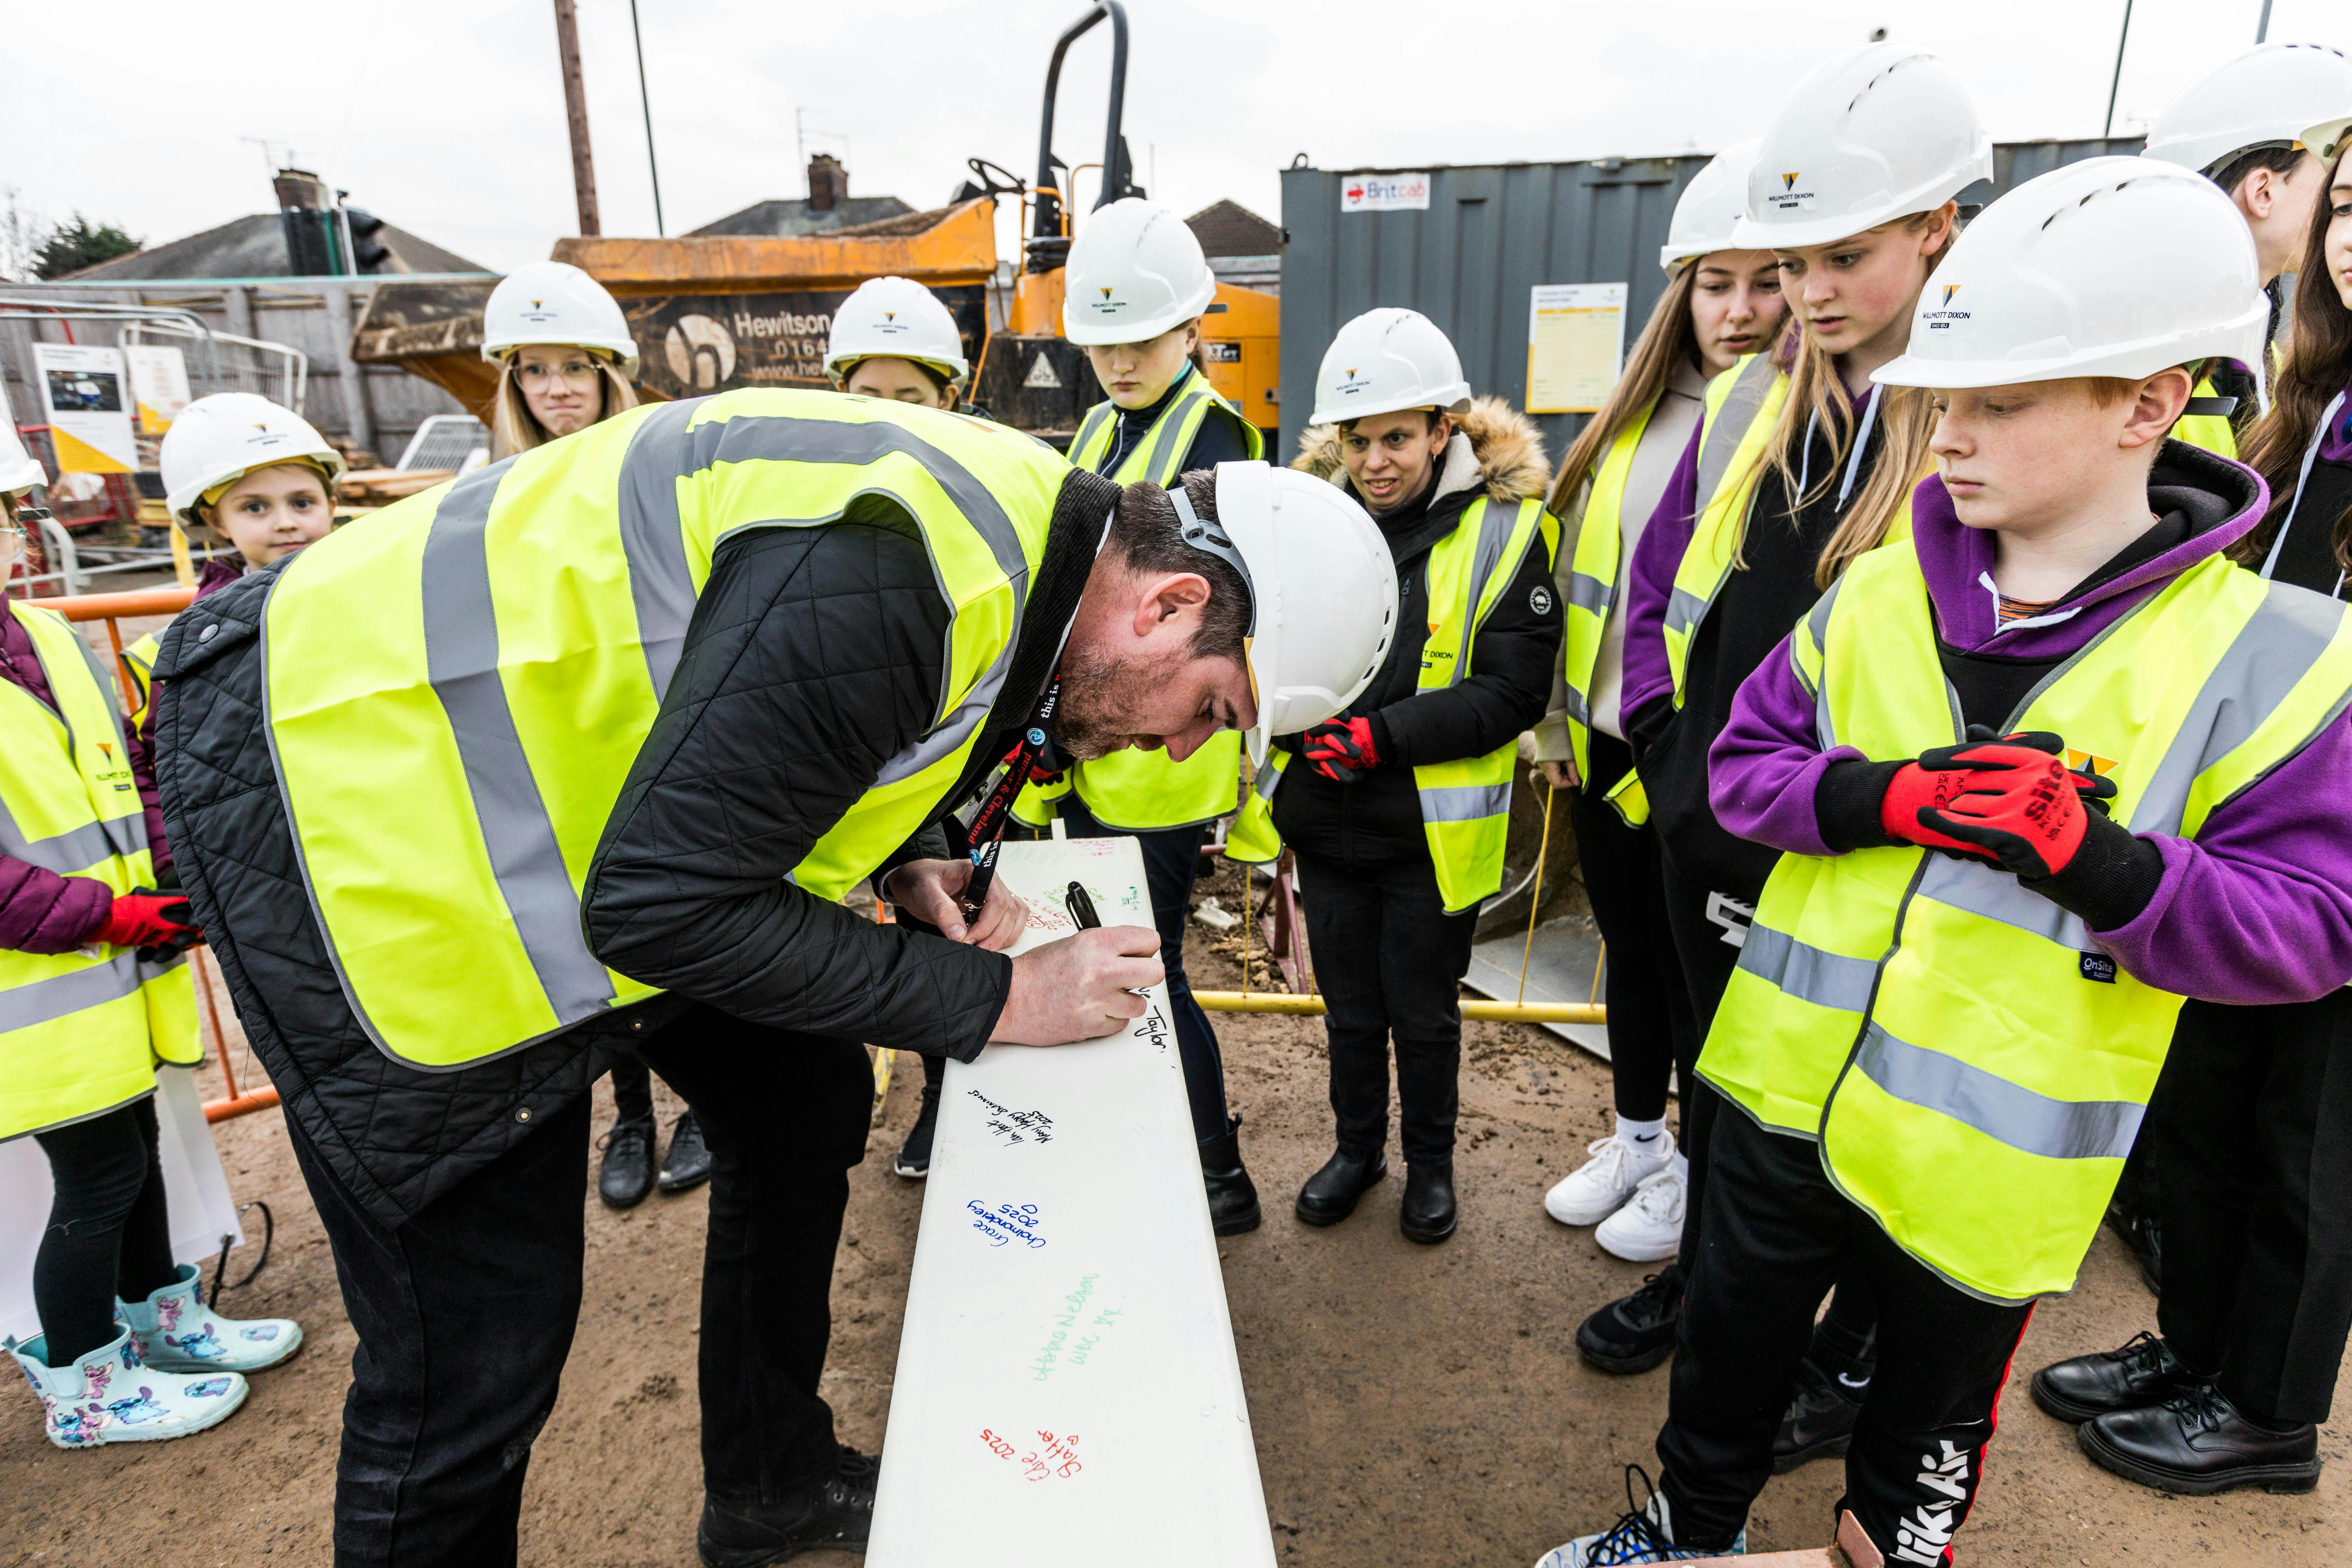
x: 2255, y: 909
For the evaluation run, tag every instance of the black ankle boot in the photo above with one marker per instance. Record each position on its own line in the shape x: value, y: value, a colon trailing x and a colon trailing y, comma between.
x: 1427, y: 1214
x: 1332, y: 1193
x: 914, y: 1161
x: 839, y: 1516
x: 1233, y: 1196
x: 626, y: 1175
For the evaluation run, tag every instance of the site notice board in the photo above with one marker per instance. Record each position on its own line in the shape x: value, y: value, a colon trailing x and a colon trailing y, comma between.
x: 1576, y: 339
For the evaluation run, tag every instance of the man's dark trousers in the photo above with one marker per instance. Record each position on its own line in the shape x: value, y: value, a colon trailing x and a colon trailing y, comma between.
x: 465, y: 1314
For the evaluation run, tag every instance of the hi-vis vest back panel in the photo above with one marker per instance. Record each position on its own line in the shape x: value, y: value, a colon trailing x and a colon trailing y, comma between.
x: 1592, y: 585
x: 449, y: 789
x: 79, y: 1034
x: 1466, y: 806
x: 2210, y: 431
x: 1972, y: 1062
x: 1142, y: 791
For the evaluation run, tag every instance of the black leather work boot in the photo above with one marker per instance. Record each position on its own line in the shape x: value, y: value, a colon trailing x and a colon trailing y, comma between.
x: 838, y: 1517
x: 1233, y: 1196
x: 1635, y: 1332
x: 2199, y: 1442
x: 1427, y: 1214
x: 626, y: 1173
x: 2141, y: 1373
x: 1332, y: 1193
x: 687, y: 1163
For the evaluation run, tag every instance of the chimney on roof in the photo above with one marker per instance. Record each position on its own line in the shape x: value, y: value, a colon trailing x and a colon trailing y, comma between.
x: 828, y: 183
x: 306, y: 213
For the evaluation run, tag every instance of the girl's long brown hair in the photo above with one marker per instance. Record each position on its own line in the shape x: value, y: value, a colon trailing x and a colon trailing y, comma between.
x: 1907, y: 417
x: 2318, y: 365
x: 1669, y: 337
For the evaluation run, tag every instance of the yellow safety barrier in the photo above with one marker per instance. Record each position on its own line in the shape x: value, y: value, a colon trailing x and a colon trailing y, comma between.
x: 1472, y: 1007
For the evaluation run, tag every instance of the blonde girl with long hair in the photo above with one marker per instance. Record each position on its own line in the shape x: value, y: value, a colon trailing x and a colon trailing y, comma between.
x: 565, y: 355
x: 1720, y: 304
x: 1800, y: 466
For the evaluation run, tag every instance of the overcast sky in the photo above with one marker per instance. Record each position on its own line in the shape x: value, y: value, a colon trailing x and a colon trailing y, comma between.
x: 446, y: 116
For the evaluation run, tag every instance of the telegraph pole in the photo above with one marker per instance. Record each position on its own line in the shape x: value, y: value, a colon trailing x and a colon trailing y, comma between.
x: 575, y: 104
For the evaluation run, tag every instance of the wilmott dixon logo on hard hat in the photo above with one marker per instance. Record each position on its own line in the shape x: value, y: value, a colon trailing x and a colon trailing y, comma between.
x: 539, y: 311
x: 1945, y: 319
x: 1791, y: 199
x: 1351, y: 384
x: 1107, y: 306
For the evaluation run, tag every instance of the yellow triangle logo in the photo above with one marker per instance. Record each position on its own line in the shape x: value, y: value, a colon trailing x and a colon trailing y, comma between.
x: 2089, y: 762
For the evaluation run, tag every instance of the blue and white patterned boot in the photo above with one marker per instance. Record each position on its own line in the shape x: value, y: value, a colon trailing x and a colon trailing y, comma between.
x: 177, y: 1332
x: 1645, y: 1534
x: 111, y: 1395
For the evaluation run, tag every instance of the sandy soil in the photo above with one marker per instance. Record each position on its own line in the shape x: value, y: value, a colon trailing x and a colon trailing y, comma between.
x: 1413, y: 1405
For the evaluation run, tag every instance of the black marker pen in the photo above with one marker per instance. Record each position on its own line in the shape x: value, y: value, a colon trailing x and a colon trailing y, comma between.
x: 1081, y: 908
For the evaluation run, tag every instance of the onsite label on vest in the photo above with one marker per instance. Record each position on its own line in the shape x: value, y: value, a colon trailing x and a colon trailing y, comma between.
x: 1066, y: 1386
x: 2098, y: 966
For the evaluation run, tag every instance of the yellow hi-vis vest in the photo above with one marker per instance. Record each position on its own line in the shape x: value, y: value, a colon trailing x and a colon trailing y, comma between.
x: 80, y: 1032
x: 1974, y: 1066
x: 2210, y: 431
x: 139, y: 658
x: 1593, y: 586
x: 456, y: 693
x: 1466, y: 806
x: 1130, y: 790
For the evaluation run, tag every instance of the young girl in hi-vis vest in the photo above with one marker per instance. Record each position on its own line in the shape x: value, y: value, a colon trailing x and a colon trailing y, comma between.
x: 94, y: 997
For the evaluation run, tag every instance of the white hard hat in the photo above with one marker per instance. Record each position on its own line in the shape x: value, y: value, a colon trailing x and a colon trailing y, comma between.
x: 555, y: 302
x: 2264, y: 97
x: 1136, y: 271
x: 1317, y: 568
x: 2112, y: 267
x: 1888, y: 130
x: 20, y: 469
x: 1709, y: 205
x: 1386, y: 359
x: 217, y: 439
x: 899, y: 317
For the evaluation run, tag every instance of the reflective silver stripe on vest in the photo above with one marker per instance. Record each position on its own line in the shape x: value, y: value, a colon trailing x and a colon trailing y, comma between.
x: 1808, y: 973
x: 63, y: 995
x: 1683, y: 610
x: 1465, y: 803
x: 461, y: 653
x: 2014, y: 1115
x: 1175, y: 420
x: 2272, y: 653
x: 1587, y: 591
x: 1572, y: 703
x: 64, y: 853
x: 658, y: 458
x: 1092, y: 423
x: 1268, y: 775
x: 1996, y: 896
x: 1817, y: 622
x: 1497, y: 520
x: 1729, y: 425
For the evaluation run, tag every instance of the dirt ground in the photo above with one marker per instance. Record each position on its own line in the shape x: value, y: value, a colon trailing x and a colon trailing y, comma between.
x: 1413, y: 1405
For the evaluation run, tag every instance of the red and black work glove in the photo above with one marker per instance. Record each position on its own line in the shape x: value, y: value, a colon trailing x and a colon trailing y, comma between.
x: 1340, y: 748
x: 2022, y: 807
x: 158, y: 924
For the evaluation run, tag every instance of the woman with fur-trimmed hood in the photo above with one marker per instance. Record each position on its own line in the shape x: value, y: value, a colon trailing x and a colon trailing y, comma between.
x: 1397, y: 808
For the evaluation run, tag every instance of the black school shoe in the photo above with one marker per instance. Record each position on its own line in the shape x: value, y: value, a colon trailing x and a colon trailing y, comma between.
x: 1635, y: 1332
x: 838, y: 1519
x: 626, y: 1173
x: 2143, y: 1371
x: 1332, y: 1193
x: 687, y: 1163
x: 1427, y: 1214
x: 2199, y: 1442
x: 2145, y: 1235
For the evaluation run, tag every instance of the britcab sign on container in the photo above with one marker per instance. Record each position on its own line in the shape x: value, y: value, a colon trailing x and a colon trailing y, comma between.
x: 1383, y: 193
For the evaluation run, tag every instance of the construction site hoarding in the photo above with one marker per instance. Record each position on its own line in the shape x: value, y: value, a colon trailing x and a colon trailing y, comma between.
x: 1469, y: 246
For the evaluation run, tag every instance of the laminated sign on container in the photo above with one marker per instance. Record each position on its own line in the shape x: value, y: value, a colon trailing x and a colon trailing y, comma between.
x: 1383, y: 193
x: 1575, y: 338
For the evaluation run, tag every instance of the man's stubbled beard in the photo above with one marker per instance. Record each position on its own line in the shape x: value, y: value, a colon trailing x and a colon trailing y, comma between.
x: 1100, y: 695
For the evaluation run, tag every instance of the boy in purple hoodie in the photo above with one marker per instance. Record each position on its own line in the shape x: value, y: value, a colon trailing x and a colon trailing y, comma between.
x: 2036, y: 774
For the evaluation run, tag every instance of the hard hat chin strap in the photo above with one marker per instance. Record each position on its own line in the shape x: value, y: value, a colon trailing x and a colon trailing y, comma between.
x: 1212, y: 539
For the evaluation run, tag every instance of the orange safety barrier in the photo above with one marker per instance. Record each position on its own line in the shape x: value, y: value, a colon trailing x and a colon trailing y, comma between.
x: 111, y: 608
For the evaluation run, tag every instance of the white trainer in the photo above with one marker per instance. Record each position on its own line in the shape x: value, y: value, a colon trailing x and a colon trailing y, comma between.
x: 1601, y: 1187
x: 1649, y: 1228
